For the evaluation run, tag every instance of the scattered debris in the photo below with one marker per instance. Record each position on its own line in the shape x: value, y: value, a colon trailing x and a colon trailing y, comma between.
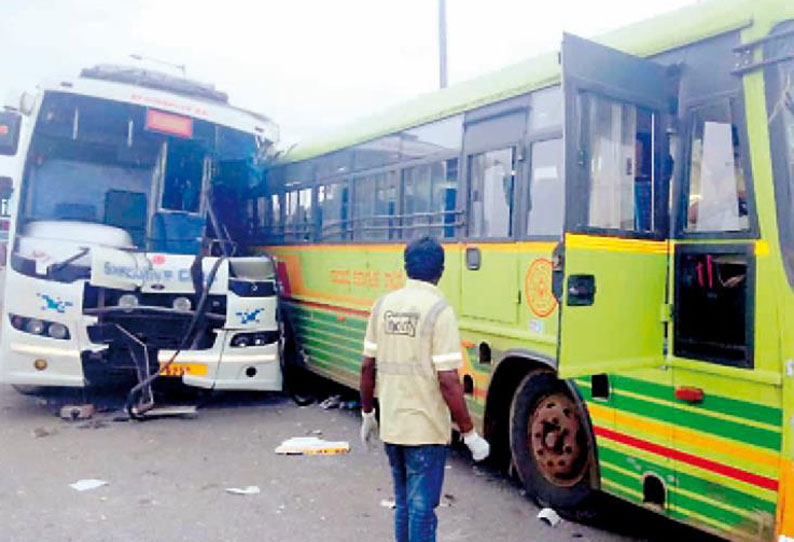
x: 312, y: 446
x: 93, y: 424
x: 388, y: 503
x: 350, y: 405
x: 448, y: 467
x: 87, y: 484
x: 183, y: 411
x: 41, y: 432
x: 316, y: 432
x: 549, y: 516
x: 577, y: 535
x: 448, y: 500
x: 77, y: 412
x: 332, y: 402
x: 248, y: 490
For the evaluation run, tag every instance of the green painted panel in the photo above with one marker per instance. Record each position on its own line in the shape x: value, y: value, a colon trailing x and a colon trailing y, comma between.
x: 492, y: 291
x: 620, y: 330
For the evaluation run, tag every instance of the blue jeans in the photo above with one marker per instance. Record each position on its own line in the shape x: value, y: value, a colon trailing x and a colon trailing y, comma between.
x: 418, y: 473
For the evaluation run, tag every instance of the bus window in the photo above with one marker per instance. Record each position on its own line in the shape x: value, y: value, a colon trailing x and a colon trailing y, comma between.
x: 267, y: 216
x: 10, y: 125
x: 713, y: 291
x: 378, y: 152
x: 332, y: 201
x: 184, y: 171
x: 492, y: 179
x: 619, y: 166
x: 374, y: 206
x: 717, y: 199
x: 547, y: 189
x: 443, y: 136
x: 429, y: 196
x: 546, y: 109
x: 298, y: 214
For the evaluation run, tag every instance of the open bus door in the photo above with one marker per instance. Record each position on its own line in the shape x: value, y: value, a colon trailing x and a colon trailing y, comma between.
x: 611, y: 272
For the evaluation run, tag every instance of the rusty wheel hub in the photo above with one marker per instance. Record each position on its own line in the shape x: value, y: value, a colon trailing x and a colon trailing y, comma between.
x: 556, y: 440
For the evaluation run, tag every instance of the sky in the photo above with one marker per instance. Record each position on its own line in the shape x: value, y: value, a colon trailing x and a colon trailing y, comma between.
x: 310, y: 65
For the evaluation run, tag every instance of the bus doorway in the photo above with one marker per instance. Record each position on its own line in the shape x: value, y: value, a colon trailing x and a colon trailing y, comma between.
x: 612, y: 269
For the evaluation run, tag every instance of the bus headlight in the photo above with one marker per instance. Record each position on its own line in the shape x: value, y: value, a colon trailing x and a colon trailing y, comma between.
x: 181, y: 304
x: 57, y: 331
x: 128, y: 301
x: 34, y: 326
x: 44, y: 328
x: 241, y: 340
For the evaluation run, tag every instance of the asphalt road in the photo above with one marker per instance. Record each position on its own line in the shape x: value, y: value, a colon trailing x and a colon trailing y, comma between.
x: 167, y: 480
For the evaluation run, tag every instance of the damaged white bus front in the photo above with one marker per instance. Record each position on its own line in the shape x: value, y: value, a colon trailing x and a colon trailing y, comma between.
x: 121, y: 259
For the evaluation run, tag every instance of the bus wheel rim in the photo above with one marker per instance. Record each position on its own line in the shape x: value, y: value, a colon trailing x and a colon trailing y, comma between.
x: 555, y: 442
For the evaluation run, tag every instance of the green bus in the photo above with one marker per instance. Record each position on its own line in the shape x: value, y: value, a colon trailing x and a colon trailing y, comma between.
x: 619, y: 238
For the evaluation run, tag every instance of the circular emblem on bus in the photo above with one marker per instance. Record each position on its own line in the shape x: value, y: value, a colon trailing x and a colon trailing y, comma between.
x: 537, y: 288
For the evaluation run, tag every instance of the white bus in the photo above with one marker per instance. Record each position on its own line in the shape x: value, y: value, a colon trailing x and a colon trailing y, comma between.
x: 121, y: 261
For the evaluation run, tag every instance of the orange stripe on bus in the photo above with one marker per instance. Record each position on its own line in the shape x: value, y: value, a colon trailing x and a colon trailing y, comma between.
x: 533, y: 246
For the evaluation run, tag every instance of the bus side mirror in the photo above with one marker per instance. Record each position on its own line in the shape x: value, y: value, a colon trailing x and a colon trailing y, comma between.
x: 6, y: 187
x: 10, y: 125
x: 23, y: 102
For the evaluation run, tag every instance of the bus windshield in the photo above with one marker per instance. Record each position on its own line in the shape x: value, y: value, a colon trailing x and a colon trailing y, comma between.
x: 126, y: 166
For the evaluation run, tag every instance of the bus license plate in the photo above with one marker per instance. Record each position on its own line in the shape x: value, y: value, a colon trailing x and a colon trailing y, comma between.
x: 181, y: 369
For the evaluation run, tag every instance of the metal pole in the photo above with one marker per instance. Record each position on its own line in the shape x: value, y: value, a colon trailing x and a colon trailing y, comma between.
x: 442, y: 42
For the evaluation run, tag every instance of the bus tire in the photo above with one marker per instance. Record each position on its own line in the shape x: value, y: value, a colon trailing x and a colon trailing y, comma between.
x: 550, y: 445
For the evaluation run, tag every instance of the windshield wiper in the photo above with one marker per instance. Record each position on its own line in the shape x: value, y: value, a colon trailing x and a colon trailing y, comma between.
x: 55, y: 267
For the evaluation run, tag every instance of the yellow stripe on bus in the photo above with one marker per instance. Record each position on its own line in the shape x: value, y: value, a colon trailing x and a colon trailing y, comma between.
x: 591, y: 242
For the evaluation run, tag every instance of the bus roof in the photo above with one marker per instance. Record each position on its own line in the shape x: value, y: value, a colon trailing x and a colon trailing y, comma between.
x: 646, y: 38
x: 186, y: 100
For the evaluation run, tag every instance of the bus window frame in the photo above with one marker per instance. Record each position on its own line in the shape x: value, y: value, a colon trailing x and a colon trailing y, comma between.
x: 345, y: 234
x: 525, y: 188
x: 681, y: 178
x: 574, y: 105
x: 748, y: 363
x: 459, y: 211
x: 275, y: 234
x: 289, y: 236
x: 517, y: 146
x: 782, y: 180
x: 354, y: 219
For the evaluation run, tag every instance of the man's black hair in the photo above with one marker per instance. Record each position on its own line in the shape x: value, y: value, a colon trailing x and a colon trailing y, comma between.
x: 424, y: 259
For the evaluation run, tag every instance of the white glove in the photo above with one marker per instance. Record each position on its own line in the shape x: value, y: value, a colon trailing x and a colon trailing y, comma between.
x: 478, y: 446
x: 369, y: 427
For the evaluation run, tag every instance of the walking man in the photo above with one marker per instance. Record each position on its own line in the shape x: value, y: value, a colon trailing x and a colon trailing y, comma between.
x: 412, y: 344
